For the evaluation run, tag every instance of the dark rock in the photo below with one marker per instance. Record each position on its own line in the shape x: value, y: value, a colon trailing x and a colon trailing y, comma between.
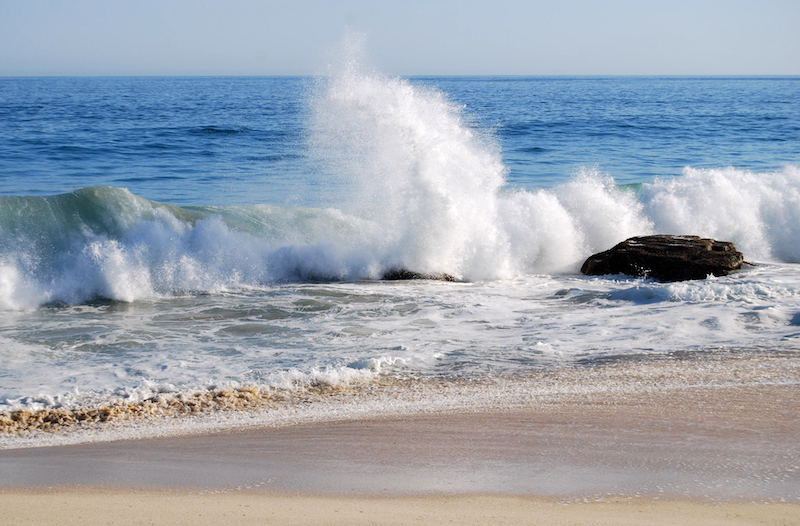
x: 405, y: 274
x: 666, y: 258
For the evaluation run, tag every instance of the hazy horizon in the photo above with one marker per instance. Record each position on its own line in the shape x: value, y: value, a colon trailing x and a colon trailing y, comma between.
x: 506, y: 38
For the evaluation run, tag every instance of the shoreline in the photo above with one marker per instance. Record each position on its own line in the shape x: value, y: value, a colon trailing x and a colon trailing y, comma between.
x: 682, y: 442
x: 713, y: 443
x: 253, y: 407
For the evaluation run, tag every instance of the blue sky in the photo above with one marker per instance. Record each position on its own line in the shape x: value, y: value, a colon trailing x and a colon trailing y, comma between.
x: 445, y: 37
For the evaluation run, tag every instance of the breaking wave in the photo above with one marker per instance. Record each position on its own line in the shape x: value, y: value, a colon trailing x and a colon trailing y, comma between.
x: 419, y: 189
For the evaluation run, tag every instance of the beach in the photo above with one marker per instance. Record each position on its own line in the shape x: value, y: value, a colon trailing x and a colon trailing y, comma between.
x: 663, y: 449
x: 201, y: 326
x: 334, y: 263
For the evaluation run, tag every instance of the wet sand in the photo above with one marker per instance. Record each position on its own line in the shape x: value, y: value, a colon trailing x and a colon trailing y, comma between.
x: 694, y: 455
x: 720, y: 443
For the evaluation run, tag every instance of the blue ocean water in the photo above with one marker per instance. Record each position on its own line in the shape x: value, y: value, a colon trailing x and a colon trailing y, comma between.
x: 170, y: 235
x: 243, y: 141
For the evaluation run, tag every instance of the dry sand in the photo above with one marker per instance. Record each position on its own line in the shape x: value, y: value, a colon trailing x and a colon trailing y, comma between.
x: 101, y: 507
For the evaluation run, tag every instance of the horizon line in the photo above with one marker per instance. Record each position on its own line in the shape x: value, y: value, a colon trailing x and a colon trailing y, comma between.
x: 415, y: 75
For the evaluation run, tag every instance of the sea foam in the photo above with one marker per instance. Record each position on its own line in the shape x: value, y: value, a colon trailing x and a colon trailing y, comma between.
x: 759, y: 211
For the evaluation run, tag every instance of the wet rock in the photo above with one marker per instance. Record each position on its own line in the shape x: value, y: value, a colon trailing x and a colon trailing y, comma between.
x: 666, y: 258
x: 405, y: 274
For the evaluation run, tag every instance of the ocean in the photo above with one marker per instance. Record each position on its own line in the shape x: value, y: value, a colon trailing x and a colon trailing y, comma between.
x: 174, y: 247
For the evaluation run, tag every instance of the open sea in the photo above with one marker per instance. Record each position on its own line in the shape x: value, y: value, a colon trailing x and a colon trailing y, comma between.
x: 165, y: 242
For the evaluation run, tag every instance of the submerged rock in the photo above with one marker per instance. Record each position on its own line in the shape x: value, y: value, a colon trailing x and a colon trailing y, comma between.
x: 666, y: 258
x: 398, y: 274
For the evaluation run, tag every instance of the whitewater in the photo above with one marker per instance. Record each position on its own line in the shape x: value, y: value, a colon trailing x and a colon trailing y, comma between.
x: 113, y: 295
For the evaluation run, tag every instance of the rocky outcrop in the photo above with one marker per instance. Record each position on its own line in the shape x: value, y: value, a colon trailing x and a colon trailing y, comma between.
x: 405, y: 274
x: 666, y: 258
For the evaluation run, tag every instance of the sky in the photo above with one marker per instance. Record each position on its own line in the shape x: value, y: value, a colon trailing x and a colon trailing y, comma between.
x: 409, y: 37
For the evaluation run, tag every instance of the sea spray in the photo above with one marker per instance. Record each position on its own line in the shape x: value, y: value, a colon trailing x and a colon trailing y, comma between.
x: 412, y: 166
x: 431, y: 186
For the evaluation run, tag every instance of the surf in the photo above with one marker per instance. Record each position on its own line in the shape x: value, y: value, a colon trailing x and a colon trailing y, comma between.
x: 413, y: 183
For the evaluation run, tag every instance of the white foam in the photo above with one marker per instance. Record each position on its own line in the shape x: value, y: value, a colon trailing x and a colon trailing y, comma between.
x: 402, y: 398
x: 16, y: 293
x: 758, y: 211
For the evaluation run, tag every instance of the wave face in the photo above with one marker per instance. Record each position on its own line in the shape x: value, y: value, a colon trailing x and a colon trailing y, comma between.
x: 418, y: 187
x: 104, y: 242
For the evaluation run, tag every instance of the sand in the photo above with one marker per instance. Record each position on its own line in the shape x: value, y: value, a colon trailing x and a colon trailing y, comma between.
x: 100, y: 507
x: 722, y: 454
